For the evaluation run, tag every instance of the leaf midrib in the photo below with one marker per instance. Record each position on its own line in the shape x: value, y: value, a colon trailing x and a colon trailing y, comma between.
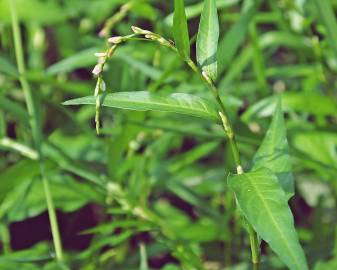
x: 258, y: 193
x: 206, y: 111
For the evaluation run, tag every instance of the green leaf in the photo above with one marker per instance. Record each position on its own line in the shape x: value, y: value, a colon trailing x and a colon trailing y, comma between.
x: 145, y: 101
x: 15, y: 175
x: 207, y: 40
x: 81, y: 59
x: 264, y: 204
x: 180, y: 29
x: 327, y: 16
x: 195, y: 10
x: 229, y: 45
x: 274, y: 153
x: 318, y: 145
x: 7, y: 67
x: 41, y: 12
x: 312, y: 103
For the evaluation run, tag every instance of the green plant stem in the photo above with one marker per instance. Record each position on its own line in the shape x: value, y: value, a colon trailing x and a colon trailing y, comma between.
x: 5, y: 237
x: 228, y: 128
x: 254, y: 242
x: 36, y: 129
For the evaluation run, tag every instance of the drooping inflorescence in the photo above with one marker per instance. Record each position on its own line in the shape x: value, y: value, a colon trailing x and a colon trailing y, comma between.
x: 103, y: 57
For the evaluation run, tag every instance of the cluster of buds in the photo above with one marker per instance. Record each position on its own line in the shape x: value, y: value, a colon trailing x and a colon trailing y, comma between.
x: 152, y: 36
x: 103, y: 57
x: 100, y: 84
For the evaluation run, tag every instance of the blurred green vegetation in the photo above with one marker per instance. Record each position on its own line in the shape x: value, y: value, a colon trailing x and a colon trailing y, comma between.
x: 150, y: 192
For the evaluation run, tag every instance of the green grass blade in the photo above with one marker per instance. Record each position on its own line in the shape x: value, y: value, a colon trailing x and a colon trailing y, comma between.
x: 145, y: 101
x: 207, y: 40
x: 327, y: 16
x: 264, y: 204
x: 180, y: 29
x: 230, y: 43
x: 273, y: 153
x: 195, y: 10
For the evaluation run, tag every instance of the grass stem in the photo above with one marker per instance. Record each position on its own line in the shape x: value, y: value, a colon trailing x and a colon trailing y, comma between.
x: 35, y: 126
x: 229, y: 131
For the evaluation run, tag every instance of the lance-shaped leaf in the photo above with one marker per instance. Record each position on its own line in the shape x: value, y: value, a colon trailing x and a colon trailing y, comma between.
x: 274, y: 153
x: 207, y: 40
x: 145, y: 101
x: 180, y: 29
x: 264, y: 204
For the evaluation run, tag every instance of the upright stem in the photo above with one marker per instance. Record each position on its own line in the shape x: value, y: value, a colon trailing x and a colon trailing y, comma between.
x: 255, y: 249
x: 36, y: 129
x: 229, y: 131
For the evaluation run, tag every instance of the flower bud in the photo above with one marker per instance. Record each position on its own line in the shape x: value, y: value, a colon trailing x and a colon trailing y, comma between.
x: 116, y: 40
x: 97, y: 69
x: 100, y: 54
x: 138, y: 30
x: 103, y: 85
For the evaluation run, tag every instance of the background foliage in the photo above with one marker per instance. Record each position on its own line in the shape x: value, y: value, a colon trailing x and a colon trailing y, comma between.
x: 151, y: 191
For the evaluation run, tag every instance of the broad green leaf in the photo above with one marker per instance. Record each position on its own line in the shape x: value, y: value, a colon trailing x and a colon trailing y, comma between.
x: 320, y: 146
x: 264, y: 204
x: 145, y: 101
x: 207, y: 40
x: 180, y: 29
x: 229, y: 45
x: 274, y: 153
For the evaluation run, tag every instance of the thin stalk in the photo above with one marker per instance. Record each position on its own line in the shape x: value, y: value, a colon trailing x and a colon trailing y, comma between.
x: 229, y: 131
x: 36, y: 129
x: 227, y: 125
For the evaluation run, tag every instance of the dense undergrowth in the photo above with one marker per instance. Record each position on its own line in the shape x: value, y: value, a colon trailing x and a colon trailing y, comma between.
x: 160, y: 186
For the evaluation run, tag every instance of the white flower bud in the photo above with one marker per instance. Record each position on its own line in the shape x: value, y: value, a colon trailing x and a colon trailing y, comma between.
x: 138, y: 30
x: 151, y: 36
x: 103, y: 85
x: 101, y: 60
x: 100, y: 54
x: 115, y: 40
x: 97, y: 69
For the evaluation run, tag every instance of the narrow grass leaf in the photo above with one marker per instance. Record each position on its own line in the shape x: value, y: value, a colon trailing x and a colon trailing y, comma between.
x: 180, y: 29
x: 307, y: 103
x: 327, y: 16
x: 82, y: 59
x: 207, y: 40
x: 195, y: 10
x: 274, y: 153
x: 264, y: 204
x: 144, y: 101
x: 230, y: 43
